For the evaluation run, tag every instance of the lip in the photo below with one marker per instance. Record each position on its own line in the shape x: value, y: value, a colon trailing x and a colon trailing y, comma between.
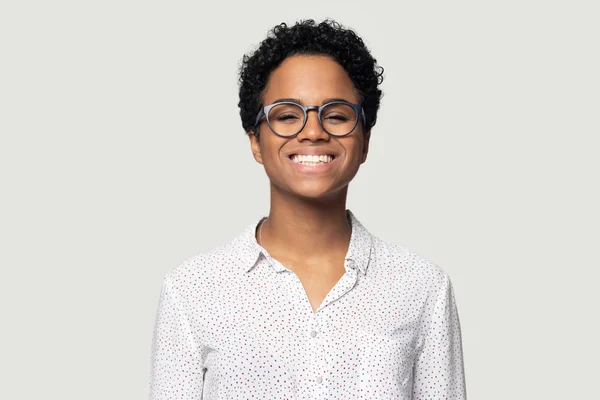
x: 317, y: 169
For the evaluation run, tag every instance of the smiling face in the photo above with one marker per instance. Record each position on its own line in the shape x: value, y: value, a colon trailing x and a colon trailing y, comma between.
x: 313, y: 80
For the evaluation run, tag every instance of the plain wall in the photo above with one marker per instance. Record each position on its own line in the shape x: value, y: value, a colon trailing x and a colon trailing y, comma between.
x: 122, y: 154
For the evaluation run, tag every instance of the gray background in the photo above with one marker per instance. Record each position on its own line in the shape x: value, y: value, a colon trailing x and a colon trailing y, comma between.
x: 116, y: 165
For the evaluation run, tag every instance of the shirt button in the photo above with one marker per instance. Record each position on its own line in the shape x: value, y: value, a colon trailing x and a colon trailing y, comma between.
x: 313, y: 333
x: 320, y: 379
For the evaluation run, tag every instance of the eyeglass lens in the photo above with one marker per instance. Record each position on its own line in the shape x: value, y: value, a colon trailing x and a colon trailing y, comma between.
x: 288, y: 119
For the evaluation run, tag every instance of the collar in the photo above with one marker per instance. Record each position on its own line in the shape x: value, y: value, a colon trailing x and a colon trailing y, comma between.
x: 358, y: 255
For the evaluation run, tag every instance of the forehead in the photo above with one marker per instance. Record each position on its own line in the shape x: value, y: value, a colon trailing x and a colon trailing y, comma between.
x: 310, y: 78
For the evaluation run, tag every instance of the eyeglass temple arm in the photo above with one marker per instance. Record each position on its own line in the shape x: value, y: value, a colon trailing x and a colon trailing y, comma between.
x: 259, y: 116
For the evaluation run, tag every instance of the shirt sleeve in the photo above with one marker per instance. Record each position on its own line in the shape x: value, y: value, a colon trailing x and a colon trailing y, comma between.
x: 176, y: 368
x: 439, y: 371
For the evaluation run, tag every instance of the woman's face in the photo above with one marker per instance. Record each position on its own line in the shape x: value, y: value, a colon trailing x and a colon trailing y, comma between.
x: 312, y: 80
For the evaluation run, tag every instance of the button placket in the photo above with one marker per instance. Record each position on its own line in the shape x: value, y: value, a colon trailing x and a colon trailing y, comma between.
x: 320, y: 371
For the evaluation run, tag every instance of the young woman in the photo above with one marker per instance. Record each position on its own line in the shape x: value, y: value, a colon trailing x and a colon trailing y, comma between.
x: 306, y: 303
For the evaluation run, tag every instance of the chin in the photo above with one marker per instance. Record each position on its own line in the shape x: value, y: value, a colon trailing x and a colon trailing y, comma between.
x: 315, y: 192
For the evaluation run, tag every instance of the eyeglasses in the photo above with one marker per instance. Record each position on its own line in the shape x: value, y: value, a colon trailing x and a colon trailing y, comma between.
x: 287, y: 118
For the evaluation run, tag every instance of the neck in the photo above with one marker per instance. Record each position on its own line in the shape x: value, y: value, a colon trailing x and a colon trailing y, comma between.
x: 310, y: 230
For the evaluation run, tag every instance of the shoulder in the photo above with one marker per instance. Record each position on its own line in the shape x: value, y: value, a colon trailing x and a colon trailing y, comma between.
x: 397, y: 261
x: 207, y: 268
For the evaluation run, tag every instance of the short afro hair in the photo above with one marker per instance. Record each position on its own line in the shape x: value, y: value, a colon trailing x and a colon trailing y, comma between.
x: 305, y: 37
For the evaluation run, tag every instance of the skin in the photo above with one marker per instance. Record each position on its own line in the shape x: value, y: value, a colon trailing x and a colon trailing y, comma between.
x: 307, y: 230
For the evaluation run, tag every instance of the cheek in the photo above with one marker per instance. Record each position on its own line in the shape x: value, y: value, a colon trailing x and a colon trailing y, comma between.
x: 354, y: 153
x: 271, y: 155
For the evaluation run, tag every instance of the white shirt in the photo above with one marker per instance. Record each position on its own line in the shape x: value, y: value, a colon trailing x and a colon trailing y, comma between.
x: 234, y: 323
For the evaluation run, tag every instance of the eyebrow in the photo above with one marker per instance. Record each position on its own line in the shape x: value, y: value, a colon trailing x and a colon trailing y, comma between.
x: 300, y: 101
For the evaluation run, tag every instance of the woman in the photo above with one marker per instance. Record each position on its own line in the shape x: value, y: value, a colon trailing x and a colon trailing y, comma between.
x: 306, y: 302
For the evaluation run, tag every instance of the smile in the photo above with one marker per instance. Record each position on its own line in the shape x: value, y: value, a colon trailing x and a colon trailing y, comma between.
x: 311, y: 160
x: 312, y: 164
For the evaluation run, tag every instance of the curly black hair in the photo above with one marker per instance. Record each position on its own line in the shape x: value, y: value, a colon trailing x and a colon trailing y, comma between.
x: 305, y: 37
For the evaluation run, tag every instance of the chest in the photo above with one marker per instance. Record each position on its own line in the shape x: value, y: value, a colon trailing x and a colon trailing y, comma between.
x: 274, y: 336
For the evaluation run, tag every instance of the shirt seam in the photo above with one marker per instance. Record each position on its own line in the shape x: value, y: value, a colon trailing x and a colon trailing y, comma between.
x: 440, y: 296
x: 186, y: 325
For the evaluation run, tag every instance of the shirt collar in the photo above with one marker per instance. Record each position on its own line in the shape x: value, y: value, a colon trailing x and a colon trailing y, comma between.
x: 358, y: 255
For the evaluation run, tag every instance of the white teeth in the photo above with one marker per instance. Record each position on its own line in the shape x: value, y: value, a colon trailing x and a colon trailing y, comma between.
x: 311, y: 159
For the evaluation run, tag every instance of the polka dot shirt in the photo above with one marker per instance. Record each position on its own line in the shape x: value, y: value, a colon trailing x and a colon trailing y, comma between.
x: 234, y: 323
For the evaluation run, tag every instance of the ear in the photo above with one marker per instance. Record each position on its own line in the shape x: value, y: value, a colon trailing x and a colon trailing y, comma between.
x: 366, y: 139
x: 255, y: 145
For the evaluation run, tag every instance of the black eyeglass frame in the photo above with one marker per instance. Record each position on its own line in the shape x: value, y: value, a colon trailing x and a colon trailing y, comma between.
x: 358, y: 110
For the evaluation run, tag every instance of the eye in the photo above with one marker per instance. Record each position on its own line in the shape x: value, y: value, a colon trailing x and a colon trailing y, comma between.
x: 337, y: 118
x: 338, y: 113
x: 340, y: 117
x: 288, y: 116
x: 286, y: 113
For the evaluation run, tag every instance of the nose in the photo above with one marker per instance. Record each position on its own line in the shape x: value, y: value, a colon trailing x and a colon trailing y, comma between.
x: 313, y: 129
